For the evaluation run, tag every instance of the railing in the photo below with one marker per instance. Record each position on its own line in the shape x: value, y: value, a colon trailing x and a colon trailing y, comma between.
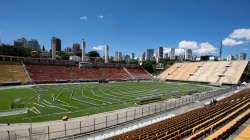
x: 105, y: 120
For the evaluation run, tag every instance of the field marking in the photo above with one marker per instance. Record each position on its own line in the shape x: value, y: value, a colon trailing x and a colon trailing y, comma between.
x: 103, y: 102
x: 39, y: 105
x: 103, y: 92
x: 95, y: 94
x: 117, y: 93
x: 84, y: 101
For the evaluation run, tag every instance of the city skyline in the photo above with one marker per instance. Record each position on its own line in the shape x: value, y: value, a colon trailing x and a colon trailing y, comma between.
x: 197, y: 25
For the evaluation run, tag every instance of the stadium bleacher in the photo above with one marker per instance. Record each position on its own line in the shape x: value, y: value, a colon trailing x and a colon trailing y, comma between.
x: 199, y: 123
x: 41, y: 73
x: 139, y: 73
x: 214, y: 72
x: 244, y: 135
x: 12, y: 73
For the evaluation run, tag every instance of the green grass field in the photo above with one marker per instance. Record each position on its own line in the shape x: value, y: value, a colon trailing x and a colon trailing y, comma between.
x: 52, y: 102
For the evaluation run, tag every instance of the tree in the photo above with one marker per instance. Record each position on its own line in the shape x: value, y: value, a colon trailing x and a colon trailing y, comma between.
x: 64, y: 56
x: 149, y: 66
x: 15, y: 51
x: 93, y: 54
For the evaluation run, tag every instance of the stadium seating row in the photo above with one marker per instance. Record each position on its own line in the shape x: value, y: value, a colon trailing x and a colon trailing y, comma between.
x: 214, y: 72
x: 193, y: 122
x: 12, y: 73
x: 43, y: 73
x: 244, y: 135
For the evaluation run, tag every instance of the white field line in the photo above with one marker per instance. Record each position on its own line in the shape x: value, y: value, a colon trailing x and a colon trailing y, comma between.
x: 84, y: 101
x: 118, y: 94
x: 94, y: 94
x: 48, y: 104
x: 62, y: 102
x: 65, y: 104
x: 105, y: 97
x: 148, y: 92
x: 112, y: 96
x: 39, y: 104
x: 103, y: 102
x: 14, y: 112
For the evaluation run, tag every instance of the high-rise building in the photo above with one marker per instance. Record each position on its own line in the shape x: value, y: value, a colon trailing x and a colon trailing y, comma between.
x: 143, y: 57
x: 132, y: 56
x: 83, y: 49
x: 160, y: 52
x: 68, y: 49
x: 127, y: 58
x: 34, y: 45
x: 118, y: 56
x: 76, y: 48
x: 172, y: 54
x: 106, y: 54
x: 188, y: 54
x: 149, y: 54
x: 21, y: 42
x: 242, y: 56
x: 55, y: 47
x: 57, y: 42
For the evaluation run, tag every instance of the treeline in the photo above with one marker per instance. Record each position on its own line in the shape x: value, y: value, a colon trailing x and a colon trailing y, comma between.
x: 15, y: 51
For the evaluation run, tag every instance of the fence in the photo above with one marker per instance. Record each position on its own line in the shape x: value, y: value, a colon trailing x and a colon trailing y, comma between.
x: 92, y: 123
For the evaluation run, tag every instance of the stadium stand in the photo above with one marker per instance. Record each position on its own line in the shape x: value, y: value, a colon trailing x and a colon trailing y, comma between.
x: 12, y: 73
x: 244, y: 135
x: 234, y: 72
x: 214, y: 72
x: 198, y: 123
x: 44, y: 73
x: 48, y: 73
x: 139, y: 73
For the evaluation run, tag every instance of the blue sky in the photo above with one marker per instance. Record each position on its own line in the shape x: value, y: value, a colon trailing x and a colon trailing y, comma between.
x: 126, y: 25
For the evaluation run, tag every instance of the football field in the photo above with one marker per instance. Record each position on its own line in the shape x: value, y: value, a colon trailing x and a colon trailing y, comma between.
x: 51, y: 102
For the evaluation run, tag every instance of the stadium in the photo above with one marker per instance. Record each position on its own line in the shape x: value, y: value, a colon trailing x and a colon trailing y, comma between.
x: 52, y: 99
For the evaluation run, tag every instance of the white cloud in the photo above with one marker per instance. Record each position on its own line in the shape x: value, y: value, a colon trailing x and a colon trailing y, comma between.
x: 237, y: 37
x: 98, y: 47
x: 84, y: 18
x: 241, y: 34
x: 101, y: 17
x: 184, y: 44
x: 205, y: 48
x: 231, y: 42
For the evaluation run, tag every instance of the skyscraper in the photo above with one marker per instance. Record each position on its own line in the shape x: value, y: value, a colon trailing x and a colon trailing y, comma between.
x: 132, y: 56
x: 188, y: 54
x: 83, y: 49
x: 118, y: 56
x: 160, y: 52
x: 149, y: 54
x: 57, y: 43
x: 34, y: 45
x: 76, y: 48
x: 21, y: 42
x: 55, y: 47
x: 143, y: 57
x: 172, y: 54
x: 242, y: 56
x: 106, y: 54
